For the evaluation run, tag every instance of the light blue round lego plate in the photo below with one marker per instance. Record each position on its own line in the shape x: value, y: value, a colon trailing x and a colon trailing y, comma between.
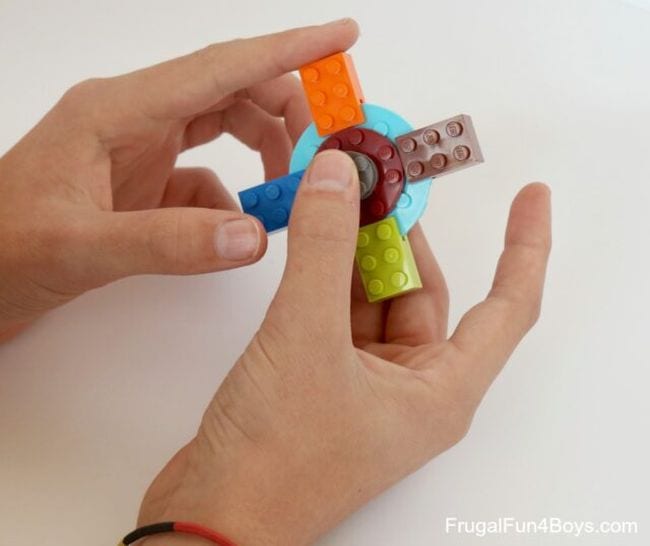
x: 413, y: 201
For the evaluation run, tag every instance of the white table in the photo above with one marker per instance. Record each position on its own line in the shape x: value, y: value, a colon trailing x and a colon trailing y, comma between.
x: 99, y: 394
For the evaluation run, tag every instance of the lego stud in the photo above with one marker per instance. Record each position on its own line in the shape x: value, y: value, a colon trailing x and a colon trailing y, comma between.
x: 347, y: 113
x: 415, y: 169
x: 325, y: 121
x: 375, y: 287
x: 461, y: 153
x: 272, y: 191
x: 382, y: 128
x: 407, y: 145
x: 368, y: 174
x: 340, y: 90
x: 385, y: 153
x: 363, y: 239
x: 311, y: 75
x: 398, y: 279
x: 438, y: 161
x: 454, y: 129
x: 431, y: 137
x: 393, y: 177
x: 249, y: 200
x: 391, y: 255
x: 368, y: 263
x: 334, y: 67
x: 318, y: 98
x: 332, y: 144
x: 383, y: 232
x: 280, y: 216
x: 355, y: 137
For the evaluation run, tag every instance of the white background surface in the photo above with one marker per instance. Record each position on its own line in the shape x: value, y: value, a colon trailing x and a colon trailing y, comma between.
x: 99, y: 394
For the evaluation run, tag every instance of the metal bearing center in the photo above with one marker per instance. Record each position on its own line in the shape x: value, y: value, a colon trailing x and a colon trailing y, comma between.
x: 368, y: 175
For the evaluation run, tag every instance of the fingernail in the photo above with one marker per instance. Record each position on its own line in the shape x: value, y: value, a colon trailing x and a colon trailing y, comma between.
x: 342, y: 21
x: 236, y: 240
x: 331, y: 171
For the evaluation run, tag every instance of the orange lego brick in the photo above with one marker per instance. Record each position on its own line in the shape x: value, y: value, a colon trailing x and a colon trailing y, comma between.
x: 333, y: 93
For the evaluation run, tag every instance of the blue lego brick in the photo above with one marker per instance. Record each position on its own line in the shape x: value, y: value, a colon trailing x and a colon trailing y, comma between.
x: 414, y: 197
x: 271, y: 202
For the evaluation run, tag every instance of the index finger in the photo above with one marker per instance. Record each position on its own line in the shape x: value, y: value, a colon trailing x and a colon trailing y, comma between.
x: 283, y: 97
x: 192, y: 84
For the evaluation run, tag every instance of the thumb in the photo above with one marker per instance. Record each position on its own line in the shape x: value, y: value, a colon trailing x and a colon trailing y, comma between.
x: 180, y: 241
x: 322, y: 239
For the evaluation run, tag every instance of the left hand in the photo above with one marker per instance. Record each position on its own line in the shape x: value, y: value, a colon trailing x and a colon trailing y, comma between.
x: 92, y: 194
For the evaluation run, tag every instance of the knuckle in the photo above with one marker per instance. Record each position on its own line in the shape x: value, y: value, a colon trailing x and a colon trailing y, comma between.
x: 458, y: 430
x: 207, y: 55
x: 526, y: 310
x: 442, y: 294
x: 52, y: 244
x: 82, y: 93
x: 458, y: 414
x: 533, y: 312
x: 519, y: 309
x: 55, y: 235
x: 214, y: 58
x: 218, y: 51
x: 453, y: 419
x: 205, y: 173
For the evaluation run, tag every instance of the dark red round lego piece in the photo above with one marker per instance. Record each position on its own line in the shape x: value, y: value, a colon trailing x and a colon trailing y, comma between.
x: 383, y: 153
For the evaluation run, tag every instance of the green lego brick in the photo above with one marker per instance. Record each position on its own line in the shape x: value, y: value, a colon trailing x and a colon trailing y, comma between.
x: 386, y: 261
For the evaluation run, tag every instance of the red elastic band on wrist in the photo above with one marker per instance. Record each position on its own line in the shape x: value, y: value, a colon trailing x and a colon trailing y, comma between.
x: 176, y: 527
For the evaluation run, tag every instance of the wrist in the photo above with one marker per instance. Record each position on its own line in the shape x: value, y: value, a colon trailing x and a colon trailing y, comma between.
x: 222, y: 497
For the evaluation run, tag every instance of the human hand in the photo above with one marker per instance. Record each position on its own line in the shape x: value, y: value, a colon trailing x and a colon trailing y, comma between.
x: 92, y: 194
x: 335, y: 399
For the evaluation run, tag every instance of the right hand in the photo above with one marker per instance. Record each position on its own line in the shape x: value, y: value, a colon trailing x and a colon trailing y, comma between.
x: 326, y: 408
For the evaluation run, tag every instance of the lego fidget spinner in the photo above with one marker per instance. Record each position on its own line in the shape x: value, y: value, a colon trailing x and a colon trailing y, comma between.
x: 396, y: 165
